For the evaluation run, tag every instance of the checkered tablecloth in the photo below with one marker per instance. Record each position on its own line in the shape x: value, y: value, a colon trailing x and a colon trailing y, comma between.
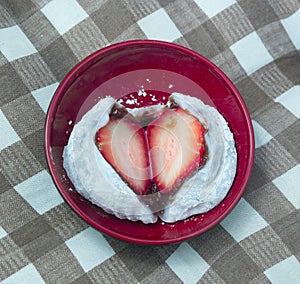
x: 255, y: 42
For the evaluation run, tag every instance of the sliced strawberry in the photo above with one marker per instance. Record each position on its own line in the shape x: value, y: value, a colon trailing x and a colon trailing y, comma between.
x: 176, y: 145
x: 123, y: 144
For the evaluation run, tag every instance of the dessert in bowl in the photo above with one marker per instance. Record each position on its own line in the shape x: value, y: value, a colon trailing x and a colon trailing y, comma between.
x: 138, y: 80
x: 169, y: 161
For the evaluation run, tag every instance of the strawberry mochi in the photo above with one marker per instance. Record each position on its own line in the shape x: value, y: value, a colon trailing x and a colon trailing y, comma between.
x: 181, y: 163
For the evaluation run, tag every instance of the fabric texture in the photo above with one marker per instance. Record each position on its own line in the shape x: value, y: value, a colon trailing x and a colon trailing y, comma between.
x: 256, y: 43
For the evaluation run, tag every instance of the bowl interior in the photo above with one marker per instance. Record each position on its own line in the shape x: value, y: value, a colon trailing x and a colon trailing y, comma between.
x: 160, y: 68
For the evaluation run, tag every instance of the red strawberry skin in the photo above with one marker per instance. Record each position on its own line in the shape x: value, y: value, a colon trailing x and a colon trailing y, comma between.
x: 123, y: 144
x: 176, y: 146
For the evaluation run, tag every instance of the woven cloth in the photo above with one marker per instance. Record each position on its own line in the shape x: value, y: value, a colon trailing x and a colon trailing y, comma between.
x: 256, y: 43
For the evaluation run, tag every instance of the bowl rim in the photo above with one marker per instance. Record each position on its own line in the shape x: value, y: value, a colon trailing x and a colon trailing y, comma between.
x: 47, y: 141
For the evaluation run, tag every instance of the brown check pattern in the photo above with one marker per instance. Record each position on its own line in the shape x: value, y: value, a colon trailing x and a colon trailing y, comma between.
x: 39, y: 243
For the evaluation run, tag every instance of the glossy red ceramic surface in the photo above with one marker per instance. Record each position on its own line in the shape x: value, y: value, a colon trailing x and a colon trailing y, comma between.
x: 160, y: 68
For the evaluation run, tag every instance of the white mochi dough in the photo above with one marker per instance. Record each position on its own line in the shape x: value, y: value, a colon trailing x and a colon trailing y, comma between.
x: 209, y: 186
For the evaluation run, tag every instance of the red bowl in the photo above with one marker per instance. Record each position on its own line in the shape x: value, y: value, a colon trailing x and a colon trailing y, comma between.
x: 161, y: 68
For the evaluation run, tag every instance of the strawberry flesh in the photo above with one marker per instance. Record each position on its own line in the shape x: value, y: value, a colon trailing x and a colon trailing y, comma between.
x: 123, y: 144
x: 176, y: 146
